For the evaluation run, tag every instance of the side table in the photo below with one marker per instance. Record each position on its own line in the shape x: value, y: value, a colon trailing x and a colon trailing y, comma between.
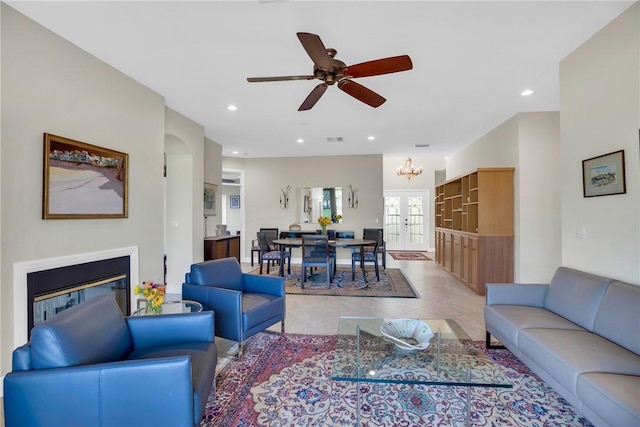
x: 169, y: 307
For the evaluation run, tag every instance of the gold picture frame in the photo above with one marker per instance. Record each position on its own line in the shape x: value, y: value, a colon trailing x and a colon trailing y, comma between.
x: 81, y: 180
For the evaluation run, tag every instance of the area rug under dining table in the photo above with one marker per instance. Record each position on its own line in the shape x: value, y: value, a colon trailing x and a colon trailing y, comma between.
x: 392, y: 284
x: 285, y: 380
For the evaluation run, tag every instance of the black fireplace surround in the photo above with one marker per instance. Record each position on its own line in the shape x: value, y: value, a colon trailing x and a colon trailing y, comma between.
x: 44, y: 282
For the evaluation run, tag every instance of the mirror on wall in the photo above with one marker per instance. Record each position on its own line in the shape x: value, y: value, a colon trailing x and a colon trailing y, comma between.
x: 320, y: 201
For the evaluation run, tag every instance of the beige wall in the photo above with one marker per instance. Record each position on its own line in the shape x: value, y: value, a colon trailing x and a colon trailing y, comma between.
x: 49, y: 85
x: 265, y: 177
x: 600, y: 99
x: 529, y: 142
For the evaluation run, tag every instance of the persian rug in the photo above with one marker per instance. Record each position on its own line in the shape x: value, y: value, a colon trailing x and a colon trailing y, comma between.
x: 409, y: 256
x: 285, y: 380
x: 392, y: 284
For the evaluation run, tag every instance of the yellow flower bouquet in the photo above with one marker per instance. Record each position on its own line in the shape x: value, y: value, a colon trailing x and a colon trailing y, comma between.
x: 154, y: 294
x: 324, y: 221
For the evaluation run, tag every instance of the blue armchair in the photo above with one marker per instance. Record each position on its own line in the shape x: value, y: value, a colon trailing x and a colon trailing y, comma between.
x: 91, y: 366
x: 244, y: 304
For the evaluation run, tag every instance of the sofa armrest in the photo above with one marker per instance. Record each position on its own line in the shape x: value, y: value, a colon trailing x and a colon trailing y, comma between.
x: 516, y: 294
x: 225, y: 303
x: 108, y: 394
x: 154, y: 331
x: 269, y: 285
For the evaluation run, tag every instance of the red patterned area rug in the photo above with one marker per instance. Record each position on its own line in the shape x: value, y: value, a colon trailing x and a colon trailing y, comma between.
x: 285, y: 380
x: 409, y: 256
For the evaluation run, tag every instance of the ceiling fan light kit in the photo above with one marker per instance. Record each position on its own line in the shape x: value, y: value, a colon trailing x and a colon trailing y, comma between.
x: 330, y: 71
x: 408, y: 170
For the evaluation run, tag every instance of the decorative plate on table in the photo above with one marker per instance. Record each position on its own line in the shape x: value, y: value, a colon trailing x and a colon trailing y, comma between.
x: 407, y: 334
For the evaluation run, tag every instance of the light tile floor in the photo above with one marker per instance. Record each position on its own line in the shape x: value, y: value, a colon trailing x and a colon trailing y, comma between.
x: 441, y: 297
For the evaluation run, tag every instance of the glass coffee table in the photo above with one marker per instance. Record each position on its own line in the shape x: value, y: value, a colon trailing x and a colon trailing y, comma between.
x: 363, y: 354
x: 169, y: 307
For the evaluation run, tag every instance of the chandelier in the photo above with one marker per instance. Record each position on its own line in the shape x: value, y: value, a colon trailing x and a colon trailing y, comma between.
x: 408, y: 170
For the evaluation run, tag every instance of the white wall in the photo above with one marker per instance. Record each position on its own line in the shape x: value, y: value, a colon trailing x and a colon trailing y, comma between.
x: 600, y: 99
x: 530, y: 143
x: 49, y: 85
x: 185, y: 220
x: 233, y: 216
x: 423, y: 182
x: 212, y: 175
x: 265, y: 177
x: 538, y: 205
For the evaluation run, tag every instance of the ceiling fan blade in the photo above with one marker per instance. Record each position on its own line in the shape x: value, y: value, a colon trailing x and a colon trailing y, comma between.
x: 377, y: 67
x: 313, y: 97
x: 278, y: 78
x: 316, y: 50
x: 361, y: 93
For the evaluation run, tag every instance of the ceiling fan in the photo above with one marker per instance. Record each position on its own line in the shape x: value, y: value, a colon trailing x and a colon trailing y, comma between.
x: 330, y: 70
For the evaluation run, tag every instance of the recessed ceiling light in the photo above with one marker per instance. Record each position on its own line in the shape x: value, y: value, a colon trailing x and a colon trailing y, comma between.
x: 299, y: 140
x: 232, y: 108
x: 234, y: 152
x: 371, y: 138
x: 526, y: 92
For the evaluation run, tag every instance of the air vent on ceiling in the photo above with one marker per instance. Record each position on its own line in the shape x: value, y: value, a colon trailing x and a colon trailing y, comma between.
x: 230, y: 181
x: 421, y: 145
x: 334, y: 139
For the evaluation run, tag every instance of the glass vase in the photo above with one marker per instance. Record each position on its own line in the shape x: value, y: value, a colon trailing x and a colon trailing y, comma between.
x: 154, y: 309
x: 324, y: 229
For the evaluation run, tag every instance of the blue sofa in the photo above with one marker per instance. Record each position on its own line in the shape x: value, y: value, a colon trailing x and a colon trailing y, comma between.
x: 91, y: 366
x: 581, y: 334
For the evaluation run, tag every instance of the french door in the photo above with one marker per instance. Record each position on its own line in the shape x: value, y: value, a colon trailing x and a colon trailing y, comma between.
x: 406, y: 221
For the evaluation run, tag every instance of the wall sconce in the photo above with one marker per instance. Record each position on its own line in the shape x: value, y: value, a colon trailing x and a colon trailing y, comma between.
x: 353, y: 197
x: 284, y: 197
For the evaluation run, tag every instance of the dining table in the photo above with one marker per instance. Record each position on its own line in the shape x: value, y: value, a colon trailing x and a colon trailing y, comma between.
x: 292, y: 242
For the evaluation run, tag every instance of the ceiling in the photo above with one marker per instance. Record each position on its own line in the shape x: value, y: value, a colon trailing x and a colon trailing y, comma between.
x: 471, y: 60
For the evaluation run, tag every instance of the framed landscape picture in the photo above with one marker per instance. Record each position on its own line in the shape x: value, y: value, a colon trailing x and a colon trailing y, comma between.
x: 210, y: 205
x: 604, y: 175
x: 234, y: 202
x: 81, y: 180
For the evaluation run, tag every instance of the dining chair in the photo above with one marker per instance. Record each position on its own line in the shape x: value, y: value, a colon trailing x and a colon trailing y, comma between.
x: 268, y: 254
x: 372, y: 234
x: 272, y: 234
x: 315, y: 253
x: 331, y: 235
x: 343, y: 235
x: 367, y: 254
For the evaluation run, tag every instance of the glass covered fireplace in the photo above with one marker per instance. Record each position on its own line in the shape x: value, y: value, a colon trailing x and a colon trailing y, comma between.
x: 52, y: 291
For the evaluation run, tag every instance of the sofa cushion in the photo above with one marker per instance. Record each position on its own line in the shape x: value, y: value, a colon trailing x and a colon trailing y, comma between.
x: 576, y: 295
x: 222, y: 273
x: 565, y: 354
x: 258, y: 308
x: 618, y: 318
x: 612, y: 397
x: 509, y: 320
x: 94, y: 331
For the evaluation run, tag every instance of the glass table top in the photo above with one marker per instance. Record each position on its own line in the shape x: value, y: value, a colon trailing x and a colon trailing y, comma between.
x: 169, y: 307
x: 363, y: 354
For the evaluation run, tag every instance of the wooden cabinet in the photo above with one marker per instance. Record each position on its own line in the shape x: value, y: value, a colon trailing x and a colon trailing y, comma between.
x: 474, y: 227
x: 217, y: 247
